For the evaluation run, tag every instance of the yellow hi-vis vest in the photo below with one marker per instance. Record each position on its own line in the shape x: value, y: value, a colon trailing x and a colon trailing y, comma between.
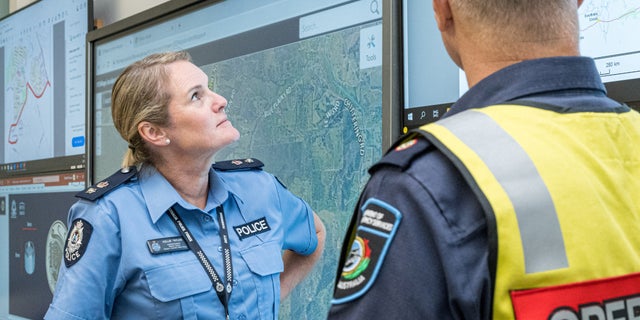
x: 562, y: 196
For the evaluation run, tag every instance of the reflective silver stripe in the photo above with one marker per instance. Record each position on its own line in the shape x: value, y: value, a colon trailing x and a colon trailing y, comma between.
x: 542, y: 240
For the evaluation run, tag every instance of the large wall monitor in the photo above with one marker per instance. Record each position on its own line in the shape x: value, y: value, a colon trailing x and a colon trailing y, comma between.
x: 303, y: 80
x: 432, y: 82
x: 42, y: 57
x: 608, y: 34
x: 33, y: 228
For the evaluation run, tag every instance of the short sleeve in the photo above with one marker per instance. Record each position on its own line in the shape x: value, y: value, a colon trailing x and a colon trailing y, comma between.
x: 299, y: 228
x: 89, y: 266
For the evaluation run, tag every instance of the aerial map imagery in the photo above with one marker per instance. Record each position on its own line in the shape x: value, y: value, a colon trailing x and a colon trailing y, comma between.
x: 313, y: 115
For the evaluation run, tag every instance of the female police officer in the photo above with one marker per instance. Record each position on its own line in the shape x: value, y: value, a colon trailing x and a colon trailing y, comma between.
x: 170, y: 237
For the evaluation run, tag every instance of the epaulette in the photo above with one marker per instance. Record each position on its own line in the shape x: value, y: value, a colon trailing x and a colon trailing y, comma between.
x: 103, y: 187
x: 402, y: 153
x: 238, y: 164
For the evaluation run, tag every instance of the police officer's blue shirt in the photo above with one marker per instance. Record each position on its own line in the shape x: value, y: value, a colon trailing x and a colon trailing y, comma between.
x: 436, y: 263
x: 117, y: 276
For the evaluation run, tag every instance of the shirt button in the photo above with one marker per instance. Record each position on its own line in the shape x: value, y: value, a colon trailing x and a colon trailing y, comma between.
x: 235, y: 282
x: 220, y: 249
x: 207, y: 218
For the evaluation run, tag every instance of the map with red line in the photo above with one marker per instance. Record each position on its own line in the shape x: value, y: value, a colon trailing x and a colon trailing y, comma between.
x: 28, y: 100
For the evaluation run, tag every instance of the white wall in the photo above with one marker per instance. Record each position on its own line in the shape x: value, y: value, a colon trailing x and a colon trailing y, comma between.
x: 109, y: 11
x: 17, y: 4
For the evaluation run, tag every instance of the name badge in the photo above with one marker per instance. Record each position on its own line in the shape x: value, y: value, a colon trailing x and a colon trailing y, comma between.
x: 165, y: 245
x: 252, y: 228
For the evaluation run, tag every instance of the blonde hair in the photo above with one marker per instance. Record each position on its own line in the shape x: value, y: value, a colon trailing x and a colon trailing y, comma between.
x: 139, y: 94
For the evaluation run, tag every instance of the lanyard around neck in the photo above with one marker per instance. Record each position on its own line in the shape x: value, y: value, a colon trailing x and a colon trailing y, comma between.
x: 193, y: 245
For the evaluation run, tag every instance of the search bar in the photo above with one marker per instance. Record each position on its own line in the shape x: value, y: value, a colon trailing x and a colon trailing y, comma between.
x: 340, y: 17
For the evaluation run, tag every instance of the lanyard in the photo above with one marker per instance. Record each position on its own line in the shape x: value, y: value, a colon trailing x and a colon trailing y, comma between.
x: 193, y: 245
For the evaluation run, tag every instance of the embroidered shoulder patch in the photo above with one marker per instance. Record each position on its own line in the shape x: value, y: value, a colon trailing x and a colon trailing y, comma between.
x: 375, y: 230
x: 77, y: 241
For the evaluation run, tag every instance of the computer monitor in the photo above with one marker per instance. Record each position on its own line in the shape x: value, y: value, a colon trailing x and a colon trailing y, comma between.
x: 431, y: 82
x: 304, y: 84
x: 33, y: 228
x: 42, y: 57
x: 608, y: 35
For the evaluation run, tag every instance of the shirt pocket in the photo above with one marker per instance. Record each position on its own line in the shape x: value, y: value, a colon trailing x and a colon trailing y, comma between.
x: 265, y: 259
x: 265, y: 263
x: 177, y: 281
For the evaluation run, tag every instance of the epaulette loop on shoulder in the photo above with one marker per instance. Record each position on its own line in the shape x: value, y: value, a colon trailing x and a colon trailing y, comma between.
x: 103, y: 187
x: 403, y: 153
x: 238, y: 164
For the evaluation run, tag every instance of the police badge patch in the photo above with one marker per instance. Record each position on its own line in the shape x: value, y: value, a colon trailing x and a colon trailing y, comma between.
x: 376, y: 228
x: 77, y: 241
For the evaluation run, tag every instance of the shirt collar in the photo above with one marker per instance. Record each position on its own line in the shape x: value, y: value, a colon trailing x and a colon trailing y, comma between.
x: 529, y: 78
x: 160, y: 195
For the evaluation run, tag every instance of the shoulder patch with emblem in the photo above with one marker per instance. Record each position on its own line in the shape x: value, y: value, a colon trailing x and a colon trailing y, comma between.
x: 77, y: 241
x: 238, y: 164
x: 377, y: 225
x: 103, y: 187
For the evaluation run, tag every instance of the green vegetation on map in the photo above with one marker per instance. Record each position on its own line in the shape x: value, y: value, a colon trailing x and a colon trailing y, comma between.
x: 314, y: 117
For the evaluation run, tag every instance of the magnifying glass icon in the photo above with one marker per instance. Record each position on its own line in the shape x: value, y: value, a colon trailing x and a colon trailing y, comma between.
x: 374, y: 7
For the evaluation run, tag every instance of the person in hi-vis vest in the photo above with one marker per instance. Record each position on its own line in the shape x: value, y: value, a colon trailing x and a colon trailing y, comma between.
x: 521, y: 202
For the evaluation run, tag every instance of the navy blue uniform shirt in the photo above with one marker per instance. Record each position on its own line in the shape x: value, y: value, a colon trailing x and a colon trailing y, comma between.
x: 435, y: 264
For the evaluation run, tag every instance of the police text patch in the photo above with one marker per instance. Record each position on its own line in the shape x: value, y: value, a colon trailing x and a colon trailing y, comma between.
x: 77, y: 241
x: 376, y: 227
x: 252, y: 228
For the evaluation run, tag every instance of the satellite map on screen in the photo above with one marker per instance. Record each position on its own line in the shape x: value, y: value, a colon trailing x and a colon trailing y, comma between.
x: 312, y: 113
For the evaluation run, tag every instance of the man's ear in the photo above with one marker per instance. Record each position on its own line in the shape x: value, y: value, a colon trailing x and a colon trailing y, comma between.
x: 442, y: 12
x: 152, y: 134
